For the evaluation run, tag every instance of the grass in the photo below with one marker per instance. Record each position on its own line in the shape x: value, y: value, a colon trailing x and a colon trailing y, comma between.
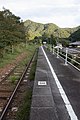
x: 33, y: 68
x: 13, y: 79
x: 30, y: 50
x: 24, y: 110
x: 9, y: 57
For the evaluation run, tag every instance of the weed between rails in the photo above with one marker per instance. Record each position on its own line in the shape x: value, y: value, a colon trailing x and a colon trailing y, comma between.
x: 24, y: 110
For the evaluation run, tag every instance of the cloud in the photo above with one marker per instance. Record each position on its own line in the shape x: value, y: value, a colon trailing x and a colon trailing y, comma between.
x: 60, y: 21
x: 65, y: 13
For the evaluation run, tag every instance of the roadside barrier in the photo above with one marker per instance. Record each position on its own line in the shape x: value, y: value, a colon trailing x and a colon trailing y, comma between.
x: 70, y: 56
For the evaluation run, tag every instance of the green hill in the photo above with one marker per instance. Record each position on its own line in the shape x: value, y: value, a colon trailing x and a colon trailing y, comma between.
x: 75, y: 36
x: 34, y: 29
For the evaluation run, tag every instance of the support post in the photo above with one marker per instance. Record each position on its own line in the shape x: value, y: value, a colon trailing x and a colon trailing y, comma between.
x: 66, y: 56
x: 50, y: 48
x: 57, y: 52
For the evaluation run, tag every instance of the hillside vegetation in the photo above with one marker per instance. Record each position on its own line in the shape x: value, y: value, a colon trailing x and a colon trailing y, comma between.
x: 34, y: 29
x: 75, y: 36
x: 12, y: 31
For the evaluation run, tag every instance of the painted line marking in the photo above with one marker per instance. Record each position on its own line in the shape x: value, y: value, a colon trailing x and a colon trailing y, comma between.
x: 62, y: 92
x: 42, y: 83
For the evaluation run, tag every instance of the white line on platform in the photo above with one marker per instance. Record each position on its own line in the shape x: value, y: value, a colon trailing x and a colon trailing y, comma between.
x: 42, y: 83
x: 62, y: 92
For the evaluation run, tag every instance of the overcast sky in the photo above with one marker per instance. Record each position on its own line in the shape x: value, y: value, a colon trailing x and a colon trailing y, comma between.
x: 64, y: 13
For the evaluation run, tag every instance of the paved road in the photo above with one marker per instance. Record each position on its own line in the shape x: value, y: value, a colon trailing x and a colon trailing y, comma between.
x: 72, y: 51
x: 47, y: 102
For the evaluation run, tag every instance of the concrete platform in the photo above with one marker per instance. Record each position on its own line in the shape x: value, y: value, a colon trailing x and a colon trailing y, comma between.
x: 47, y: 102
x: 43, y: 106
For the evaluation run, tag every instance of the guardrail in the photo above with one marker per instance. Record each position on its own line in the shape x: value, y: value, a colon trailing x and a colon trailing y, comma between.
x: 70, y: 56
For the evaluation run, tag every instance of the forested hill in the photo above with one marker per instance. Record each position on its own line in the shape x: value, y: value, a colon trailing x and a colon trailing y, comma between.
x: 75, y: 36
x: 34, y: 29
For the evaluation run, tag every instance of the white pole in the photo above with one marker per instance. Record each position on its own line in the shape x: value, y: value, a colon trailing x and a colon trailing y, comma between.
x: 57, y: 52
x: 66, y: 56
x: 50, y: 48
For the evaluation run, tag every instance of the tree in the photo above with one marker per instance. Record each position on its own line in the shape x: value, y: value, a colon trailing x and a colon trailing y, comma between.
x: 12, y: 29
x: 53, y: 40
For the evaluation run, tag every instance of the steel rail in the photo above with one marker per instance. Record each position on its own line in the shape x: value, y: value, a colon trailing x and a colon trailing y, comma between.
x: 15, y: 90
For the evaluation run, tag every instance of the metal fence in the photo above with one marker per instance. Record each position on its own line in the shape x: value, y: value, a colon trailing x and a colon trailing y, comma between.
x: 70, y: 55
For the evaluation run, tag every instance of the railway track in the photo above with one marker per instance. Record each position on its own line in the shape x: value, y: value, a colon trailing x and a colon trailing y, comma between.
x: 5, y: 76
x: 11, y: 94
